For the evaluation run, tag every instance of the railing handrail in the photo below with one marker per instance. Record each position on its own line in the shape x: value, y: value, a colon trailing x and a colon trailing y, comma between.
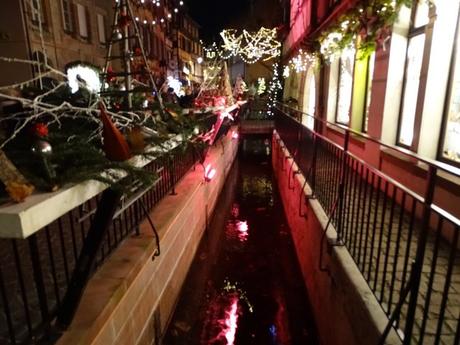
x: 22, y: 219
x: 452, y: 218
x: 438, y: 165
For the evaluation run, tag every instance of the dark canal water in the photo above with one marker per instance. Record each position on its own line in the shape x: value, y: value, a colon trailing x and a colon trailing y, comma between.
x: 245, y: 285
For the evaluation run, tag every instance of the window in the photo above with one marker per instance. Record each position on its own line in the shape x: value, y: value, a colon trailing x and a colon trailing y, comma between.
x: 66, y: 8
x: 450, y: 144
x: 345, y: 86
x: 37, y: 12
x: 101, y: 28
x: 82, y: 21
x: 309, y: 99
x: 370, y: 74
x: 414, y: 59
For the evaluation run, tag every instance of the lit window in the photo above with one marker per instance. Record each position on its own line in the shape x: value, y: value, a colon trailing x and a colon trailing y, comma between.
x: 421, y: 14
x: 101, y: 28
x: 82, y: 21
x: 310, y: 100
x: 414, y: 60
x: 370, y: 74
x: 412, y: 81
x: 451, y: 136
x: 345, y: 86
x: 66, y: 16
x: 36, y: 11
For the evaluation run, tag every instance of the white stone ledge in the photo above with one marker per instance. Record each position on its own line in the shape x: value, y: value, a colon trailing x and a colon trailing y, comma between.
x: 21, y: 220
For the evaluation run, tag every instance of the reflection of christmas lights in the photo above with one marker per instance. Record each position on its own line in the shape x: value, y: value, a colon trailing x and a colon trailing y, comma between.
x: 242, y: 226
x: 233, y: 288
x: 231, y: 321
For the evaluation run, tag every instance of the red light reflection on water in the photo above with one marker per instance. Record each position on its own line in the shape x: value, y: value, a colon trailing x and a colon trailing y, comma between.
x: 231, y: 321
x: 222, y: 320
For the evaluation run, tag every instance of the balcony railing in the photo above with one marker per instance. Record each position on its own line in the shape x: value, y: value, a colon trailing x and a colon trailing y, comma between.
x: 36, y: 273
x: 402, y: 242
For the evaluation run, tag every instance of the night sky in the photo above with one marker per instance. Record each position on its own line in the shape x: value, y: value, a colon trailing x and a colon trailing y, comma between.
x: 214, y: 15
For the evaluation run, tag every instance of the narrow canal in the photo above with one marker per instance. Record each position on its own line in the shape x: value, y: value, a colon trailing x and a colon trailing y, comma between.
x: 245, y: 285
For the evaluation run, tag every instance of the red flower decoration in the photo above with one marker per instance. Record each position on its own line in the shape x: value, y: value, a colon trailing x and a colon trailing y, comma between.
x: 40, y: 130
x: 110, y: 74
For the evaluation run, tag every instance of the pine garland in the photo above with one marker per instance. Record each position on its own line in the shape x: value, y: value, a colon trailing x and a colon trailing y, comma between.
x: 364, y: 27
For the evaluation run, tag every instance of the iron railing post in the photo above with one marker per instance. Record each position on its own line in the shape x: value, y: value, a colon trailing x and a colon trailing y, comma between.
x: 313, y: 164
x: 39, y: 282
x: 420, y: 254
x: 93, y: 241
x: 172, y: 175
x: 341, y: 190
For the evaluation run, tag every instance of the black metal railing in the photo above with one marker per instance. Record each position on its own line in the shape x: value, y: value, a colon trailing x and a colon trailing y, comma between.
x: 35, y: 273
x: 403, y: 243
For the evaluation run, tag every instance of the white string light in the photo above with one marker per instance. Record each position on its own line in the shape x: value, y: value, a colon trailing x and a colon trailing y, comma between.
x: 155, y: 14
x: 251, y: 47
x: 274, y: 87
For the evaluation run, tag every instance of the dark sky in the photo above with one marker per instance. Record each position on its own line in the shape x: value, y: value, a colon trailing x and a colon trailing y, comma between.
x: 214, y: 15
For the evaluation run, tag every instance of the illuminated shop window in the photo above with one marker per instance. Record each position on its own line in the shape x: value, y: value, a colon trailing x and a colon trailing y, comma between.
x: 345, y: 86
x: 414, y: 60
x: 412, y: 82
x: 451, y: 136
x: 311, y: 107
x: 370, y: 74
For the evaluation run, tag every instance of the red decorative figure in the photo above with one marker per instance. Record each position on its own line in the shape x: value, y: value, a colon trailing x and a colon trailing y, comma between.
x: 115, y: 146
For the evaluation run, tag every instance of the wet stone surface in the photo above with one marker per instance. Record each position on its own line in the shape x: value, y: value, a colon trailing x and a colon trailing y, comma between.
x: 245, y: 285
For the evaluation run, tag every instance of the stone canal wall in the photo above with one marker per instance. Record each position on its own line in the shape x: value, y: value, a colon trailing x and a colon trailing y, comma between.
x: 344, y: 307
x: 131, y: 298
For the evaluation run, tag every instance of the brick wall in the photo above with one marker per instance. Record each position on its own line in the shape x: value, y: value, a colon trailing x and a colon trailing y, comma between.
x: 131, y: 298
x: 345, y: 310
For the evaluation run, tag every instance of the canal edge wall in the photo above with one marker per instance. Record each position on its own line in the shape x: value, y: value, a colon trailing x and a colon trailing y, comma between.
x: 346, y: 311
x: 131, y: 298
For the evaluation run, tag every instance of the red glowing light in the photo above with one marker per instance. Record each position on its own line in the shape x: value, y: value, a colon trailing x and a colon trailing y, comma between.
x: 242, y: 226
x: 231, y: 322
x: 209, y: 172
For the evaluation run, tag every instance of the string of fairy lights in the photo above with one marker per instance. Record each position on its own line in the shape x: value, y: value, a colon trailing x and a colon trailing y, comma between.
x: 154, y: 12
x: 251, y: 47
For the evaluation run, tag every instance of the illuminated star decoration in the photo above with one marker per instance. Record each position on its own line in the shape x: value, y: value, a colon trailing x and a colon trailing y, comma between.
x: 251, y: 47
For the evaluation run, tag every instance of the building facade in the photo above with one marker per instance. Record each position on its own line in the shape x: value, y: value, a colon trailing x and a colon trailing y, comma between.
x: 189, y: 49
x: 71, y: 31
x: 79, y: 30
x: 405, y: 93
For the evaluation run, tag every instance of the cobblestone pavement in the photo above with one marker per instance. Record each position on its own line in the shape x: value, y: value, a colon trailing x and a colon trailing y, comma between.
x: 382, y: 238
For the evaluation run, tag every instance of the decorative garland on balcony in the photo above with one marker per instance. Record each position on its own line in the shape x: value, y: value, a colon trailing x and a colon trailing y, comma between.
x: 368, y: 25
